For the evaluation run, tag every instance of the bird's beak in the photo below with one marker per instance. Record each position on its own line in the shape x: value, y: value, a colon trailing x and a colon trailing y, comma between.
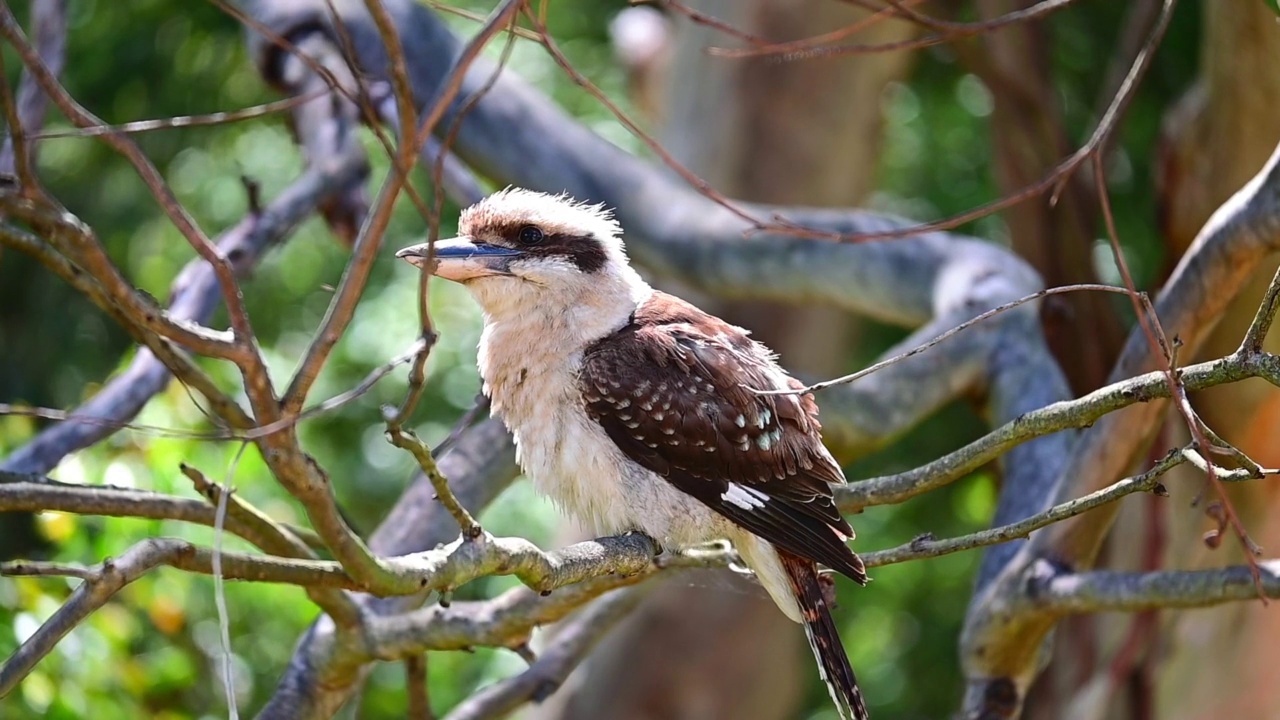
x: 461, y: 259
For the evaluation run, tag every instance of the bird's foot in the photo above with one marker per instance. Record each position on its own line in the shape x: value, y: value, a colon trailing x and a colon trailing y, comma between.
x: 657, y: 546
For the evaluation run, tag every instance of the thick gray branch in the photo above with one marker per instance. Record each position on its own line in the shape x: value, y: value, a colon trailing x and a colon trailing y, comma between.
x: 1107, y: 591
x: 553, y: 666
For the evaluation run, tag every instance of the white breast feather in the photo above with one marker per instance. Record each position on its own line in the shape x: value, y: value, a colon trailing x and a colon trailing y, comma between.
x: 533, y: 383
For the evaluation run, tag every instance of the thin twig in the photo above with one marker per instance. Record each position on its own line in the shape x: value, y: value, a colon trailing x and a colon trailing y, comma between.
x: 406, y: 440
x: 1150, y: 325
x: 700, y: 18
x: 247, y: 355
x: 1063, y: 415
x: 26, y: 113
x: 1149, y: 481
x: 876, y: 16
x: 1050, y: 183
x: 99, y: 586
x: 480, y: 406
x: 1111, y: 591
x: 1261, y: 325
x: 17, y: 138
x: 182, y: 121
x: 32, y: 492
x: 219, y: 594
x: 415, y: 681
x: 959, y: 328
x: 251, y: 432
x: 356, y: 274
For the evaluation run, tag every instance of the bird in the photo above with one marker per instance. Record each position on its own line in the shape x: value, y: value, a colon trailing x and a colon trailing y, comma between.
x: 633, y: 410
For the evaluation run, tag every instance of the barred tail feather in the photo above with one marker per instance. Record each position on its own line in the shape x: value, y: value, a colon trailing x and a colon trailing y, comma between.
x: 820, y: 629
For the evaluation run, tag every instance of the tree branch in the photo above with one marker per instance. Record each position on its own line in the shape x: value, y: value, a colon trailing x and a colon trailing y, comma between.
x: 193, y: 298
x: 367, y: 243
x: 26, y: 116
x: 571, y: 645
x: 104, y: 581
x: 1109, y: 591
x: 1000, y: 647
x: 1062, y: 415
x: 244, y: 348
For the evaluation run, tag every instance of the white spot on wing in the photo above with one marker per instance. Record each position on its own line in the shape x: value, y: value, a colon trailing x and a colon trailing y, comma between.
x: 744, y: 497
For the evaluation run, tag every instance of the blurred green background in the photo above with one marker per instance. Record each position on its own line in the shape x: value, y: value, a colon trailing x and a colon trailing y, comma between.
x: 152, y: 651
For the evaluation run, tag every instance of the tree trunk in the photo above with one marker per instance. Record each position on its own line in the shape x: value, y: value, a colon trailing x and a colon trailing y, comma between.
x: 1029, y: 139
x: 1215, y: 140
x: 1212, y: 663
x: 801, y: 133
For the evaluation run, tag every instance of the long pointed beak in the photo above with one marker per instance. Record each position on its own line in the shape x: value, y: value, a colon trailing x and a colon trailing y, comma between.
x: 461, y: 258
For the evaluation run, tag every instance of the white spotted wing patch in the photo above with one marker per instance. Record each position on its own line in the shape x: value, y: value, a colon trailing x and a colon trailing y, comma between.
x: 674, y: 390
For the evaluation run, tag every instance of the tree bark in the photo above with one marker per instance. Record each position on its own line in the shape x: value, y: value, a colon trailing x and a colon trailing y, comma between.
x: 1180, y: 666
x: 1214, y: 140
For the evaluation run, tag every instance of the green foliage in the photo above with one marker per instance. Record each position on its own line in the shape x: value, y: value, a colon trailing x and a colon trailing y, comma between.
x: 153, y: 651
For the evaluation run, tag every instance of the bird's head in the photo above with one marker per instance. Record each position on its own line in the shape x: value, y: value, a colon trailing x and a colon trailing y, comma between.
x: 518, y: 250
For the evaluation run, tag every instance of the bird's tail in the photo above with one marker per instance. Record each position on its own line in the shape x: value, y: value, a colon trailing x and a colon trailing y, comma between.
x: 820, y: 628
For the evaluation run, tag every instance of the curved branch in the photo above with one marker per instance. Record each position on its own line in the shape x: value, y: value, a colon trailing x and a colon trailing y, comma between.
x: 1063, y: 415
x: 49, y: 26
x: 572, y: 643
x: 1108, y: 591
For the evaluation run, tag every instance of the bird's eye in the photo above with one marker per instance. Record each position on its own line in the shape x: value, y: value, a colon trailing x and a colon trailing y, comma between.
x: 530, y: 235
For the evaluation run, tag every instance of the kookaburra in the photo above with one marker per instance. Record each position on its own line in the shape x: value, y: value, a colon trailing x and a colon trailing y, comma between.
x: 634, y: 410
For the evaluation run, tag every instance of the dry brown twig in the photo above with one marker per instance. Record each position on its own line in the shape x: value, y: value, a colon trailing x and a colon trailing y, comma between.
x: 1160, y: 349
x: 819, y: 46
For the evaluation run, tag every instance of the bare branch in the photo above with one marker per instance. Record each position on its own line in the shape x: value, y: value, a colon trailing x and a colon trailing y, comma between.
x: 819, y: 46
x: 184, y: 121
x: 76, y: 240
x: 193, y: 298
x: 572, y: 644
x: 357, y: 271
x: 25, y: 114
x: 1261, y: 325
x: 1056, y: 417
x: 104, y: 581
x: 415, y: 680
x: 1003, y: 647
x: 408, y: 441
x: 245, y: 349
x: 31, y: 492
x: 916, y: 350
x: 135, y: 382
x: 1109, y: 591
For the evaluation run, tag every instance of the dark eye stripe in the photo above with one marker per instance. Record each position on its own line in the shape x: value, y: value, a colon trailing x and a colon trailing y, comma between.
x: 587, y: 254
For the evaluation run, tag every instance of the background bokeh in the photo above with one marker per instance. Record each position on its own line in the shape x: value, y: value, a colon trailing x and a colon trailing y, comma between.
x: 152, y: 651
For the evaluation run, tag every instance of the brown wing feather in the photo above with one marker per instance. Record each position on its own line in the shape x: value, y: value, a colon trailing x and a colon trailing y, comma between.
x: 674, y: 388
